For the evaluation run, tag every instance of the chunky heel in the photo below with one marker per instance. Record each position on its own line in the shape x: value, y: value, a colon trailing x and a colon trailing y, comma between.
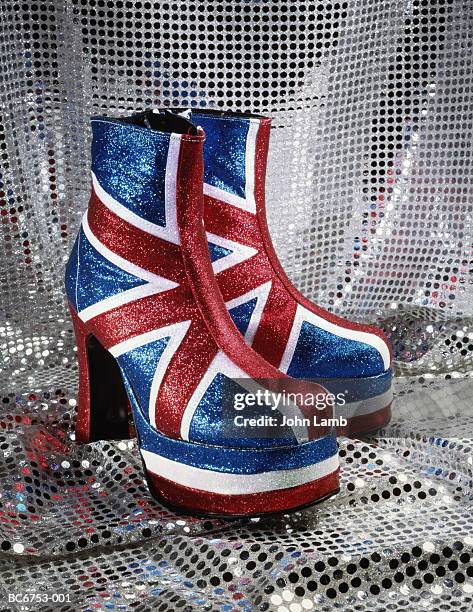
x: 104, y: 411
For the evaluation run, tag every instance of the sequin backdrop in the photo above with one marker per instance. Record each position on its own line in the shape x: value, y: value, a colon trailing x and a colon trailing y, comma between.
x: 370, y: 207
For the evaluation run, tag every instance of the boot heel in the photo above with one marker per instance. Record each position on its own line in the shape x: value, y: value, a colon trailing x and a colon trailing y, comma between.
x: 104, y: 412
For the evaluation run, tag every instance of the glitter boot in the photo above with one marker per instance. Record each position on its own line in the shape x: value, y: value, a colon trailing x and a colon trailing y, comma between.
x: 153, y: 333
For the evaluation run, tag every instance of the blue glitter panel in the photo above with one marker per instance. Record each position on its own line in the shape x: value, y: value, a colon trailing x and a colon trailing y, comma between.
x: 206, y: 424
x: 99, y: 278
x: 224, y: 152
x: 213, y: 420
x: 130, y: 165
x: 321, y: 354
x: 218, y: 252
x: 139, y: 366
x: 241, y: 315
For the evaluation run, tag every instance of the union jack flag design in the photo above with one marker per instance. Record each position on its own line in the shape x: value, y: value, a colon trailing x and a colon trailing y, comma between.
x: 132, y: 279
x: 293, y: 334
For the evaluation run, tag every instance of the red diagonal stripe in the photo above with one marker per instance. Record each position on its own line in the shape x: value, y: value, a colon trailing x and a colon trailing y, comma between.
x: 231, y: 222
x: 276, y: 324
x: 133, y: 244
x: 187, y: 367
x: 144, y: 315
x: 244, y: 276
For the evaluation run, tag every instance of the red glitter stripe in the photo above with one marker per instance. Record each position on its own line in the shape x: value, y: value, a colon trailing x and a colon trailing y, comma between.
x: 143, y: 315
x: 187, y: 367
x: 232, y: 223
x: 199, y: 270
x: 245, y: 276
x: 134, y: 244
x: 276, y: 323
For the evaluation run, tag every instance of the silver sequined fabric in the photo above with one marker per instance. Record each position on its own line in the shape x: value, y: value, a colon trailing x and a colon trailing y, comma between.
x: 370, y: 207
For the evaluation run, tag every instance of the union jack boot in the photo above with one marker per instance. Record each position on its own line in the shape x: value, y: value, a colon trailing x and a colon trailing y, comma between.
x: 293, y: 334
x: 153, y: 334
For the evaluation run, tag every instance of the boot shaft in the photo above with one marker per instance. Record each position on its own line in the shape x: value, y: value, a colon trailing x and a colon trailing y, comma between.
x: 132, y: 207
x: 235, y: 157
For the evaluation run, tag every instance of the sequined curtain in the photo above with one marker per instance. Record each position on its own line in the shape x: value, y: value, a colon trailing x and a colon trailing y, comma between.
x: 370, y: 207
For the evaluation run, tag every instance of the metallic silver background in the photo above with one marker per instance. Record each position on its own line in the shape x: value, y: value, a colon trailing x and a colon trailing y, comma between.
x: 370, y: 208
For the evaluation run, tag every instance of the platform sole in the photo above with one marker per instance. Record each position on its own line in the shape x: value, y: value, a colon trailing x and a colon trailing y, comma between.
x: 227, y: 481
x: 195, y: 502
x: 195, y: 477
x: 207, y: 492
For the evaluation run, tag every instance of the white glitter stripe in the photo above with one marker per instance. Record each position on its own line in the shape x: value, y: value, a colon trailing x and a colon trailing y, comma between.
x: 365, y: 406
x: 250, y: 168
x: 236, y: 484
x: 224, y: 196
x: 240, y: 252
x: 261, y: 293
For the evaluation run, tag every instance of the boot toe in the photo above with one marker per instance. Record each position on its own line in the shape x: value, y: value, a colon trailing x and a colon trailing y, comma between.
x: 319, y: 353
